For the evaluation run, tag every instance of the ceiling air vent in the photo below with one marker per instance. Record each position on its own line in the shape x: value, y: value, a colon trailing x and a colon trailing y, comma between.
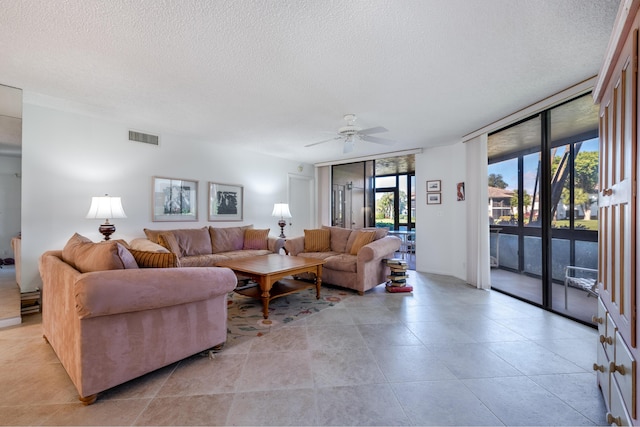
x: 143, y: 137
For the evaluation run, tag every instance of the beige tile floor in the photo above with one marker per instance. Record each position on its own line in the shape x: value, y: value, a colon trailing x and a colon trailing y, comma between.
x: 446, y: 354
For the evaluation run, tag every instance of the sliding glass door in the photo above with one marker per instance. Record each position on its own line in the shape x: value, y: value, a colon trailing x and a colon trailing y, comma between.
x: 542, y: 194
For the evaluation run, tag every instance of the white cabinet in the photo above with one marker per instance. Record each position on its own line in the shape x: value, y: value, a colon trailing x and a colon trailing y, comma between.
x: 617, y: 92
x: 623, y: 371
x: 615, y: 370
x: 602, y: 364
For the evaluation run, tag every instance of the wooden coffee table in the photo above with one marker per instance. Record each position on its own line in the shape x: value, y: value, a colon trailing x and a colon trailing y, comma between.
x: 272, y: 272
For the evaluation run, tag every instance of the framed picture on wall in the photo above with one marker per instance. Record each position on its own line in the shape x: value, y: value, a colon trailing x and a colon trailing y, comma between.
x: 433, y: 199
x: 175, y: 199
x: 460, y: 191
x: 225, y: 202
x: 433, y: 186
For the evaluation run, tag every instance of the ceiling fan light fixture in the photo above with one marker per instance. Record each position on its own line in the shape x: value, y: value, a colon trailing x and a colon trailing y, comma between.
x: 350, y: 119
x: 350, y: 131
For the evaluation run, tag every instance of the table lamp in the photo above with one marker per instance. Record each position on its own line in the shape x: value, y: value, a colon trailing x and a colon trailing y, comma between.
x: 281, y: 210
x: 106, y: 207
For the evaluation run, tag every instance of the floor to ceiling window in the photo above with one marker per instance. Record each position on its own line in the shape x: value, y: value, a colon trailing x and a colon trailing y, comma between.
x: 378, y: 193
x: 543, y: 175
x: 395, y: 206
x: 395, y: 201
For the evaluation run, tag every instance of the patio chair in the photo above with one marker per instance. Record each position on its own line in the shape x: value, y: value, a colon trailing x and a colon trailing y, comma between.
x: 581, y: 278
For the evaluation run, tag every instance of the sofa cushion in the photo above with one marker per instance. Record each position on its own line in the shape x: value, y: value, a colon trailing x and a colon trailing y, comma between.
x: 168, y: 241
x: 341, y: 262
x: 209, y: 260
x: 148, y: 259
x: 69, y: 250
x: 86, y: 256
x: 225, y: 239
x: 380, y: 231
x: 195, y: 241
x: 362, y: 238
x: 245, y: 253
x: 256, y: 239
x: 317, y: 240
x: 319, y: 255
x: 153, y: 234
x: 339, y: 237
x: 144, y: 244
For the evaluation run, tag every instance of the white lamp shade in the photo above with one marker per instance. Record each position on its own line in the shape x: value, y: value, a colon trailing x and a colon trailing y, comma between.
x: 281, y: 210
x: 106, y: 207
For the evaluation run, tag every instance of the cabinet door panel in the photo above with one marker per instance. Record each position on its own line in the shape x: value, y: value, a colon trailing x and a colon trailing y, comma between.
x: 617, y: 199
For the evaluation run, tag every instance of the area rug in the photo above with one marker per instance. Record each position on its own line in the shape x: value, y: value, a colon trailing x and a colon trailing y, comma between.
x: 245, y: 313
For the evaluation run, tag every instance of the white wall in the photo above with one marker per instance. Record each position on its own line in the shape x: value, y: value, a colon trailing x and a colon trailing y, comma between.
x: 10, y: 188
x: 441, y: 229
x: 68, y: 157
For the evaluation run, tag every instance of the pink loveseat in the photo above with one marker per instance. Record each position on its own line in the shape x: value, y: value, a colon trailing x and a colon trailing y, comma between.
x: 108, y: 327
x: 350, y: 261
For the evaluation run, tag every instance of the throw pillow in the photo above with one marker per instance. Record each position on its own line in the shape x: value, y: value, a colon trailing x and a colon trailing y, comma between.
x: 318, y: 240
x: 256, y: 239
x: 143, y: 244
x: 86, y: 256
x: 380, y: 232
x: 153, y: 234
x: 147, y: 259
x: 227, y: 239
x: 168, y: 240
x: 69, y: 250
x: 362, y: 238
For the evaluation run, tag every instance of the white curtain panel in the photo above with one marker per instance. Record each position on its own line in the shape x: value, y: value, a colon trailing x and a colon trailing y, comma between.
x: 477, y: 200
x: 323, y: 182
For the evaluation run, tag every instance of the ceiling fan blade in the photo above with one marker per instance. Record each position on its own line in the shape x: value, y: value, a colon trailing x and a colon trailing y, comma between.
x: 348, y: 145
x: 377, y: 129
x: 322, y: 142
x: 377, y: 140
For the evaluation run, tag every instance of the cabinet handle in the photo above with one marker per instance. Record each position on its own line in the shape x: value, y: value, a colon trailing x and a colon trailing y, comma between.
x: 616, y: 368
x: 607, y: 340
x: 607, y: 192
x: 596, y: 319
x: 613, y: 420
x: 597, y: 367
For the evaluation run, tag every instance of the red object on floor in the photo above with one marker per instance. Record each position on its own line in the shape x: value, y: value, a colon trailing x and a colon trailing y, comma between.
x: 394, y: 289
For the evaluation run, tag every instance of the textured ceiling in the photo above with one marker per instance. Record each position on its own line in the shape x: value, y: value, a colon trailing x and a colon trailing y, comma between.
x: 276, y: 75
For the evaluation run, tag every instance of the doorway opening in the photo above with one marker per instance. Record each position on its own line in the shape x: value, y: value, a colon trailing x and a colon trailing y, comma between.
x: 377, y: 193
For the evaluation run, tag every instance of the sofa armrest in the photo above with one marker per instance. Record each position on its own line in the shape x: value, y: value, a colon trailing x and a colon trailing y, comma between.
x: 294, y: 246
x: 103, y: 293
x: 275, y: 244
x: 379, y: 249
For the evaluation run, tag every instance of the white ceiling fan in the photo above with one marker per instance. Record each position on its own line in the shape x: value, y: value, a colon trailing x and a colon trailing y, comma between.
x: 350, y: 133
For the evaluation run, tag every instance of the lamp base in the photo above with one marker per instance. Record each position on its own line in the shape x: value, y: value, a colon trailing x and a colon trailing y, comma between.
x: 281, y: 224
x: 107, y: 230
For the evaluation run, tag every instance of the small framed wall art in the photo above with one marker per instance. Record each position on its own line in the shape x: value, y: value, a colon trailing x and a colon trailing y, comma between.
x: 433, y: 199
x: 460, y: 191
x: 433, y: 186
x: 175, y: 199
x: 225, y: 202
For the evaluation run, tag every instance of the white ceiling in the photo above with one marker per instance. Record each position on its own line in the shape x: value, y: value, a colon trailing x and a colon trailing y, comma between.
x: 276, y: 75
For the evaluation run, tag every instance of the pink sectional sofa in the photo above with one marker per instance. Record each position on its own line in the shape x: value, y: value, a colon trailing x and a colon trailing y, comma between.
x: 210, y: 246
x: 353, y: 258
x: 110, y: 321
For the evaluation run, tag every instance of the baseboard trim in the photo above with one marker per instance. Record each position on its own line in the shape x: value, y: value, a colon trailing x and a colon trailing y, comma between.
x: 11, y: 321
